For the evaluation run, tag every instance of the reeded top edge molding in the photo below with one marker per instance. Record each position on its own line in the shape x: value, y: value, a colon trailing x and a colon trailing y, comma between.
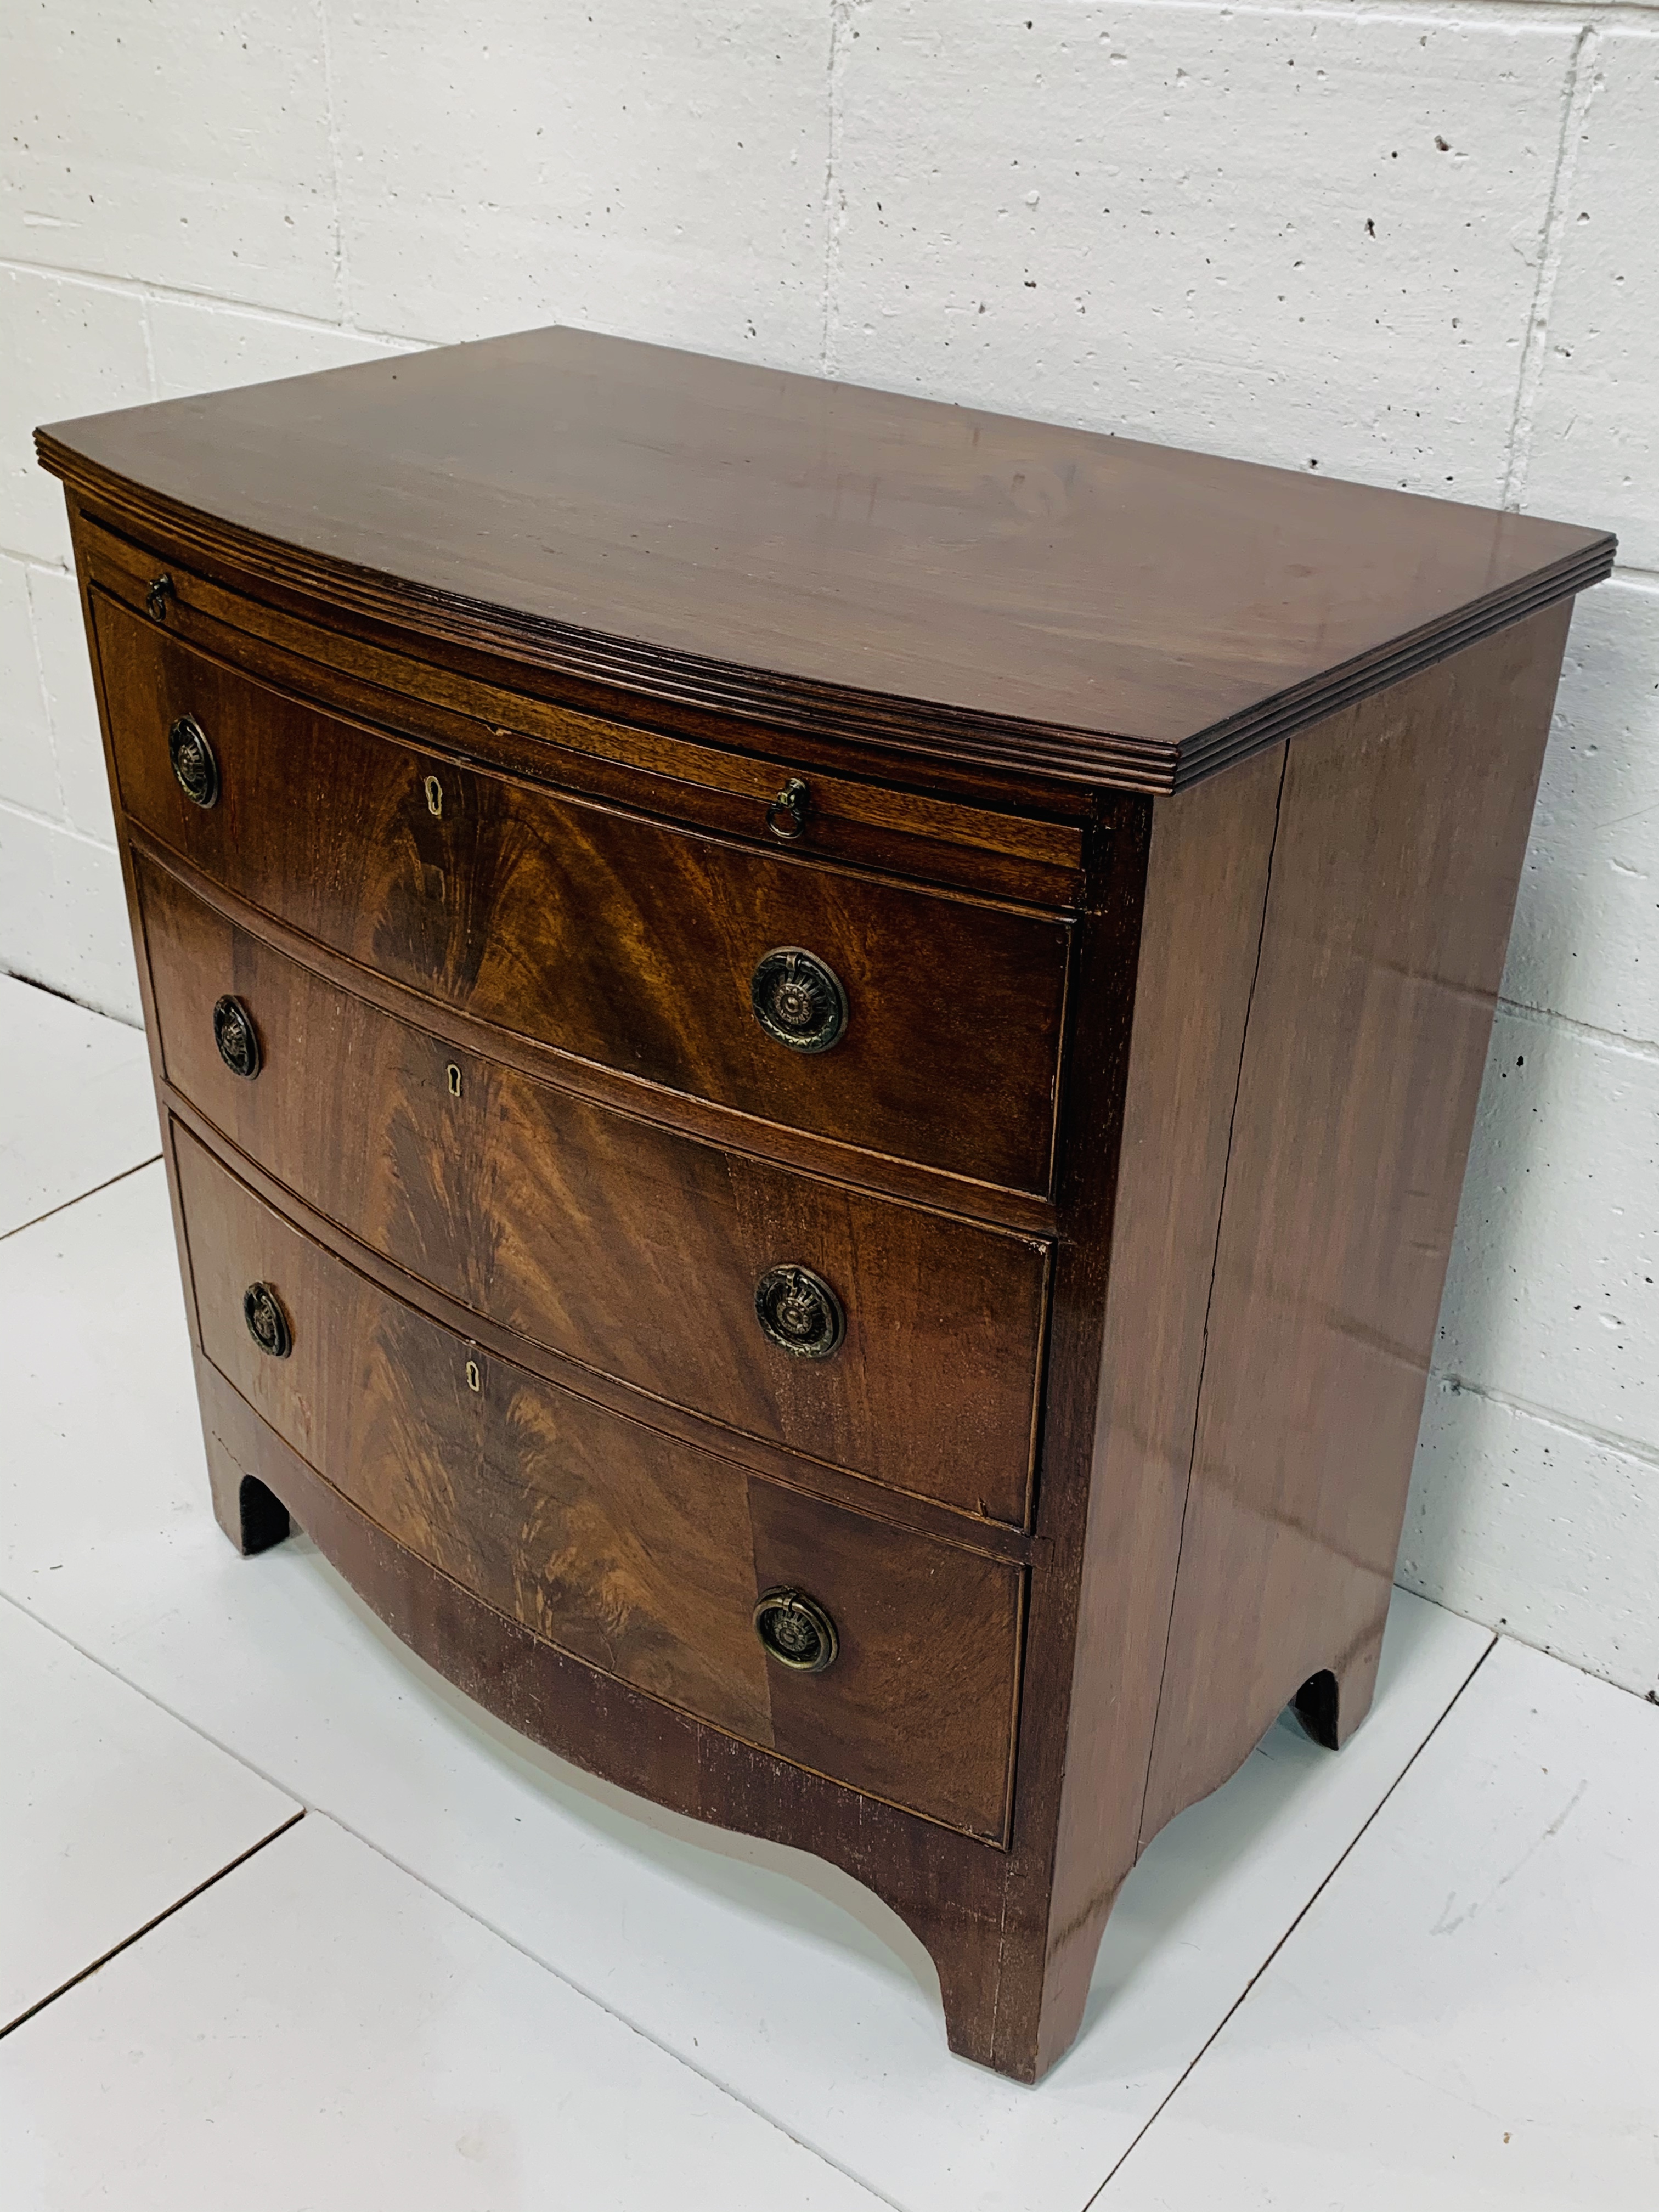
x: 918, y: 578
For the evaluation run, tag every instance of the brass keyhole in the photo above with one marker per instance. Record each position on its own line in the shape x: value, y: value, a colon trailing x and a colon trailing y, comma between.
x: 474, y: 1376
x: 454, y: 1074
x: 434, y: 795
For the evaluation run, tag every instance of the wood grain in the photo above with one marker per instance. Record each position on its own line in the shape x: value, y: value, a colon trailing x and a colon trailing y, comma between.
x: 1400, y: 836
x: 946, y: 1886
x: 631, y: 1551
x: 1207, y: 884
x: 1011, y: 2038
x: 1197, y: 1072
x: 724, y: 779
x: 617, y: 938
x: 831, y: 1158
x: 620, y: 1244
x: 776, y: 1462
x: 924, y: 577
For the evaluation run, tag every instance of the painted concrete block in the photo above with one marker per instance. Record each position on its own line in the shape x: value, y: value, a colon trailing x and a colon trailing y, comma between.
x: 1538, y: 1529
x: 172, y: 145
x: 1553, y: 1298
x: 200, y: 346
x: 1586, y: 940
x: 63, y: 917
x: 66, y: 349
x: 1594, y: 438
x: 654, y: 171
x: 71, y: 704
x: 28, y: 774
x: 1310, y: 238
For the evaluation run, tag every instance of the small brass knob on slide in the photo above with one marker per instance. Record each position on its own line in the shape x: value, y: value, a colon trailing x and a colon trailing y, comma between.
x: 786, y: 816
x: 796, y: 1631
x: 267, y: 1324
x: 194, y: 762
x: 236, y: 1037
x: 799, y: 1312
x: 156, y: 600
x: 799, y: 999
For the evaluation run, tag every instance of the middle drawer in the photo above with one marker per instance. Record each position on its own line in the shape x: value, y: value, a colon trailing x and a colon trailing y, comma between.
x: 614, y: 1242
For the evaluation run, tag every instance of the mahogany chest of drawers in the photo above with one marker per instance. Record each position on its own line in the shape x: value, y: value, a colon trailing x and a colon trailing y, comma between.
x: 817, y: 1053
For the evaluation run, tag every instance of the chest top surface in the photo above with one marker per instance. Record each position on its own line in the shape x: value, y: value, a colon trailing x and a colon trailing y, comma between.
x: 915, y: 575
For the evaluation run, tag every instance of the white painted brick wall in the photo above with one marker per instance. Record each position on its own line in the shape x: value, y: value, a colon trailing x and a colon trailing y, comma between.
x: 1411, y: 243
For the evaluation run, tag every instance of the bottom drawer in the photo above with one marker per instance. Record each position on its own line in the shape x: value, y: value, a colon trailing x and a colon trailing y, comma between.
x: 632, y: 1551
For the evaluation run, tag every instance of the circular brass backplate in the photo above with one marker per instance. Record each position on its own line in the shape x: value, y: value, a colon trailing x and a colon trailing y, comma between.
x: 193, y: 762
x: 796, y: 1631
x: 236, y: 1037
x: 267, y: 1324
x: 799, y: 999
x: 799, y: 1312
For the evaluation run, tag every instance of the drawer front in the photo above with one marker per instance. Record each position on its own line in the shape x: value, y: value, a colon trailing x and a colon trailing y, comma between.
x: 616, y: 1242
x: 610, y: 936
x: 635, y: 1552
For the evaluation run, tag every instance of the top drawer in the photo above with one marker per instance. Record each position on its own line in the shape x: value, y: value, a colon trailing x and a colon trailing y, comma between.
x: 607, y: 935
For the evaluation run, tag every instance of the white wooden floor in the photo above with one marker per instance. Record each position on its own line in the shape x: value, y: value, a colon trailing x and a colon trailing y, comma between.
x: 361, y: 1947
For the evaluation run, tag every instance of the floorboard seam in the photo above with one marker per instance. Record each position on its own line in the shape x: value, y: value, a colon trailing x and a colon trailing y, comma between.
x: 138, y: 1934
x: 64, y: 1205
x: 1324, y: 1884
x: 225, y: 1750
x: 678, y: 2058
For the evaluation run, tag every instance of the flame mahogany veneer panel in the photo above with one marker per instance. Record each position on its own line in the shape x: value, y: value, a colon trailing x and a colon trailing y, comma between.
x: 618, y: 938
x: 619, y: 1244
x: 629, y: 1549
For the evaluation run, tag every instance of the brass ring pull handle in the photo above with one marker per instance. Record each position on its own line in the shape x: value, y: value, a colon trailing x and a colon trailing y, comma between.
x: 156, y: 600
x: 236, y: 1037
x: 796, y: 1631
x: 194, y: 761
x: 798, y: 1001
x: 267, y: 1324
x: 799, y: 1312
x: 786, y: 816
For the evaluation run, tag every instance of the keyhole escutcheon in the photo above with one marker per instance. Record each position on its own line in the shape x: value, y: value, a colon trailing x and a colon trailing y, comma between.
x: 434, y: 795
x: 454, y: 1075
